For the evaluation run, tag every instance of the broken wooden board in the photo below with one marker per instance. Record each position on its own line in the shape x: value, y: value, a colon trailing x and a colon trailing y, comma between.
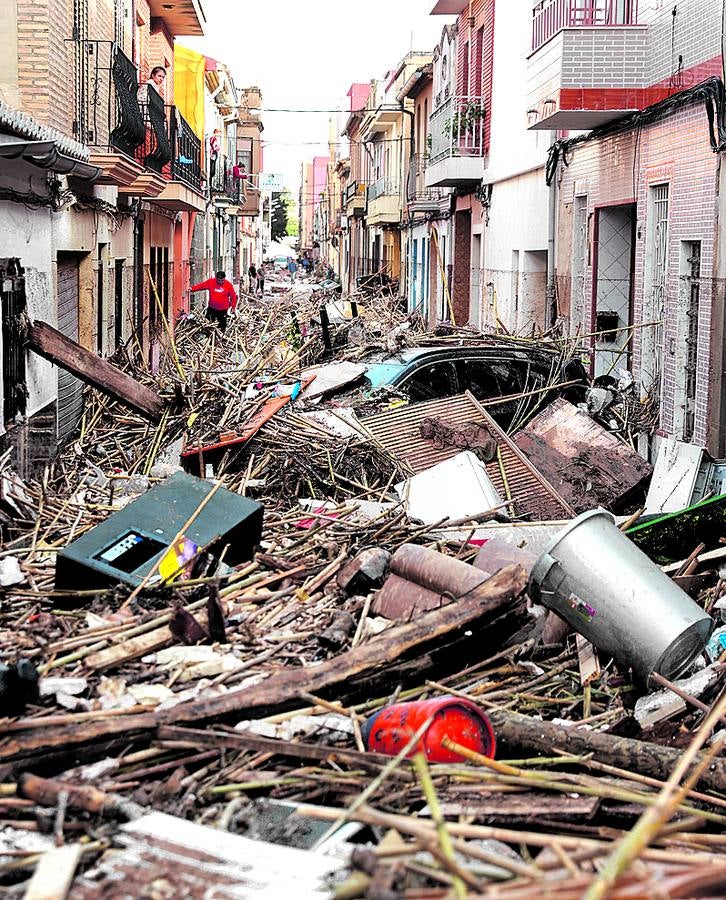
x: 54, y: 873
x: 183, y: 859
x: 49, y: 343
x: 135, y: 647
x: 588, y: 465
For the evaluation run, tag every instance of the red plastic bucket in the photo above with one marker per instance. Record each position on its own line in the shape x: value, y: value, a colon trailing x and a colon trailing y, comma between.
x: 462, y: 721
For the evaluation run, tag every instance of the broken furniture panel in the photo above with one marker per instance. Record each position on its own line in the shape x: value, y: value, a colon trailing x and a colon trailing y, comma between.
x: 588, y: 465
x: 174, y: 858
x: 674, y: 477
x: 458, y: 488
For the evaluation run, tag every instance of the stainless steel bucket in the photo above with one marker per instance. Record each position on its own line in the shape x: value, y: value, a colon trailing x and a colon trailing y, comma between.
x: 607, y: 589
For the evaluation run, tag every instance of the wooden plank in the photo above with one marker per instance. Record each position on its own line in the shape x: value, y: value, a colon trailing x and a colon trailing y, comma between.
x: 135, y: 647
x: 522, y: 735
x: 374, y: 663
x: 54, y: 873
x: 49, y: 343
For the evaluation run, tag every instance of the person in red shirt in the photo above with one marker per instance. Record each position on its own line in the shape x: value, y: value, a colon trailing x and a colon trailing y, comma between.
x: 222, y: 298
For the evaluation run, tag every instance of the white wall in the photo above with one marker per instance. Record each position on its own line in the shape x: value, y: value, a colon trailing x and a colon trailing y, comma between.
x: 517, y: 226
x: 513, y: 148
x: 26, y: 234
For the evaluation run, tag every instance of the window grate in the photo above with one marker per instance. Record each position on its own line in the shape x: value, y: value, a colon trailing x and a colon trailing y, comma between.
x: 693, y: 286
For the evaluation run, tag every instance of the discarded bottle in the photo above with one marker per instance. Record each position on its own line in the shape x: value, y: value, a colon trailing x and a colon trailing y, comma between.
x: 462, y: 721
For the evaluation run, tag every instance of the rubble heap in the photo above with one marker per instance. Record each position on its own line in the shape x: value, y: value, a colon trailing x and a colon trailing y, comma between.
x: 139, y: 716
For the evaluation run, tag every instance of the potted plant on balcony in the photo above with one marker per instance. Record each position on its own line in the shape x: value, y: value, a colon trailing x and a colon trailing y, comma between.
x: 466, y: 119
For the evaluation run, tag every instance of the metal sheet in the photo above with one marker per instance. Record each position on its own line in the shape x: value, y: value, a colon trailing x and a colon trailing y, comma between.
x: 674, y: 479
x: 399, y: 431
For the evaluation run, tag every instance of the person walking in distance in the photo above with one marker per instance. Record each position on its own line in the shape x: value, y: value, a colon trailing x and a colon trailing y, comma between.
x: 252, y: 278
x: 260, y: 281
x: 222, y: 298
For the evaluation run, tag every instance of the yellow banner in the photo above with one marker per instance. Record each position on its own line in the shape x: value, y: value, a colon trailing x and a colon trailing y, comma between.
x: 189, y: 87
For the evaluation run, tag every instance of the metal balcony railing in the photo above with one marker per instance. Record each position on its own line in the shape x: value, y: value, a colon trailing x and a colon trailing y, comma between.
x: 457, y: 128
x: 551, y: 16
x: 222, y: 182
x: 106, y: 110
x: 383, y: 187
x: 155, y: 151
x: 186, y: 161
x: 416, y: 189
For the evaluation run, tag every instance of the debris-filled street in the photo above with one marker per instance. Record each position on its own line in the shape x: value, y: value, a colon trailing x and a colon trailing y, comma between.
x: 362, y: 450
x: 379, y: 643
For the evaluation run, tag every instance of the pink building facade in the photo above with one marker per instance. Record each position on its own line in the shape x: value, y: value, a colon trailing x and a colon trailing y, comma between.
x: 639, y: 226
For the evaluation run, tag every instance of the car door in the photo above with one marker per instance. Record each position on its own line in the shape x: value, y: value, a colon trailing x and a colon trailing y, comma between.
x: 431, y: 381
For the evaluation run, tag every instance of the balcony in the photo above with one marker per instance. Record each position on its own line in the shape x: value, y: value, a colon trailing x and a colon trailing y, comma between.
x: 181, y: 17
x: 224, y: 188
x: 419, y: 196
x: 458, y: 142
x: 184, y: 189
x: 107, y: 113
x: 588, y: 63
x: 250, y: 205
x: 385, y: 203
x: 154, y: 152
x: 355, y: 198
x: 549, y: 17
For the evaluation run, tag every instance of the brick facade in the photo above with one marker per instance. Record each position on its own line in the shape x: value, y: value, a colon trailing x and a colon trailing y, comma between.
x: 623, y: 169
x: 474, y: 77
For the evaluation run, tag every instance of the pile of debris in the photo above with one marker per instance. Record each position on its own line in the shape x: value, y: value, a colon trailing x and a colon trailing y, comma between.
x: 258, y: 645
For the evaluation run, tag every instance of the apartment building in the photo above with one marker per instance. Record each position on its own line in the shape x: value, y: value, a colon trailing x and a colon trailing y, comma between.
x: 96, y: 159
x: 639, y: 195
x: 356, y: 237
x: 250, y: 161
x: 427, y: 211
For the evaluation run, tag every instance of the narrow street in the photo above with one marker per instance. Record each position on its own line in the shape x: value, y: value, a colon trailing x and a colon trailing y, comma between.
x: 362, y: 465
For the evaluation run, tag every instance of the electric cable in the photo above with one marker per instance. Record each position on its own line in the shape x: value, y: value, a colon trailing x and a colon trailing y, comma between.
x: 711, y: 92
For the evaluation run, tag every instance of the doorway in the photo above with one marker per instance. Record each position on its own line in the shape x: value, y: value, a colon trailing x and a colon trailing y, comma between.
x: 613, y: 270
x: 70, y: 388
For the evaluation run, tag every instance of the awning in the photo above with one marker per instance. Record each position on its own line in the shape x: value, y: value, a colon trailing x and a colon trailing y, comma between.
x: 46, y: 155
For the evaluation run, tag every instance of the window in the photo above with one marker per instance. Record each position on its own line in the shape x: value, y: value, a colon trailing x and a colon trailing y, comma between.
x: 691, y: 278
x: 487, y: 378
x: 431, y: 382
x: 244, y: 154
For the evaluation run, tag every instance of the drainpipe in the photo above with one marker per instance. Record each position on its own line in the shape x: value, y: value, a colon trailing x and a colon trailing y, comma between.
x: 551, y: 292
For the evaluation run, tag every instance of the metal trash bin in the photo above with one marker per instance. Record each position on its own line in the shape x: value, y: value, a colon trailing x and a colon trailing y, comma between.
x: 609, y: 591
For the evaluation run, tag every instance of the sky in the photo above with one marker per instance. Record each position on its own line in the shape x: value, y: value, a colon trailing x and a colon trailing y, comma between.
x: 305, y: 55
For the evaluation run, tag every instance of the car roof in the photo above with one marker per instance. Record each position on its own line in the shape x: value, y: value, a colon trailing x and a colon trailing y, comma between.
x: 382, y: 367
